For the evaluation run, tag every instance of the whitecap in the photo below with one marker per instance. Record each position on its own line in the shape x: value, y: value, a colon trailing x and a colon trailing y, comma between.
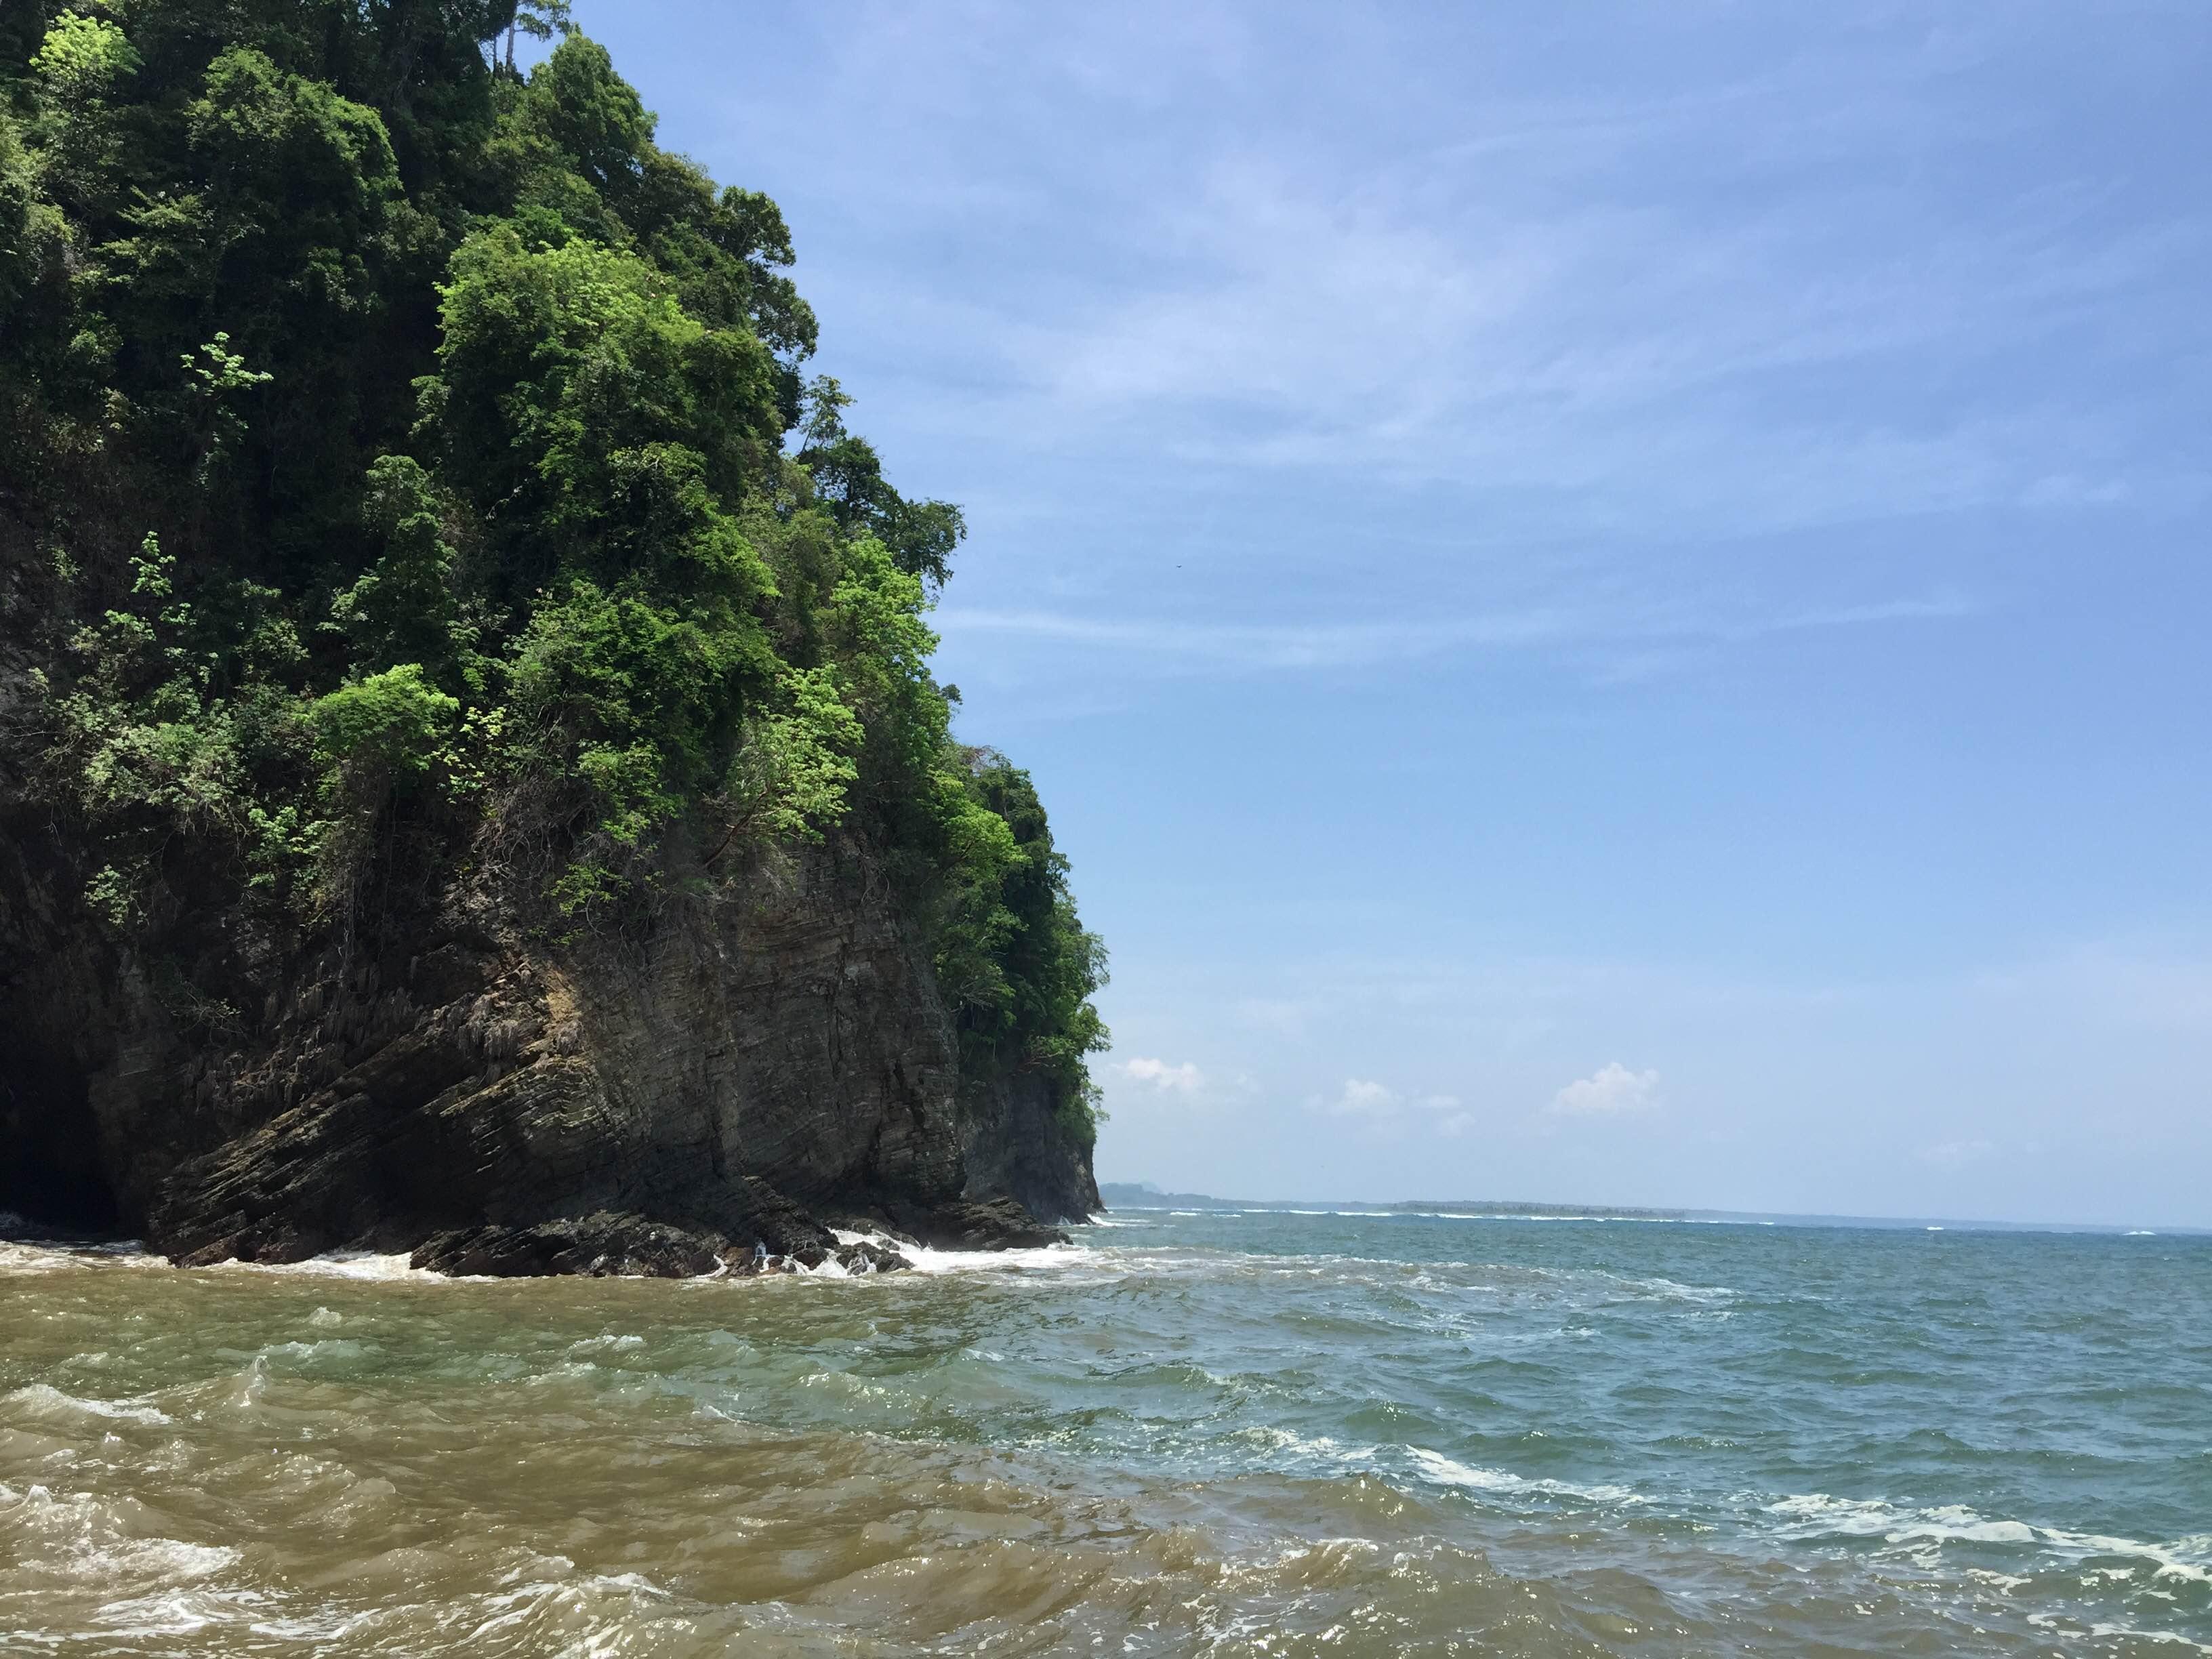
x: 1443, y: 1471
x: 513, y: 1610
x: 1291, y: 1450
x: 19, y: 1257
x: 173, y: 1613
x: 2187, y: 1558
x: 340, y: 1264
x: 82, y: 1539
x: 334, y: 1347
x: 929, y: 1261
x: 325, y: 1627
x: 1814, y: 1515
x: 2164, y: 1638
x: 44, y: 1398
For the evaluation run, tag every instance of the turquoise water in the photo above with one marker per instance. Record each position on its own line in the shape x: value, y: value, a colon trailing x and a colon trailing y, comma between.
x: 1217, y: 1433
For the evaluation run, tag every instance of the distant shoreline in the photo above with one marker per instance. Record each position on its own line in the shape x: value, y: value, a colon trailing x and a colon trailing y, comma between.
x: 1119, y: 1196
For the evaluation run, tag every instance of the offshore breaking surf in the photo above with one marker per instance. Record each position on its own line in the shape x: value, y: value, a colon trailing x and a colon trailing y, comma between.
x: 1224, y: 1434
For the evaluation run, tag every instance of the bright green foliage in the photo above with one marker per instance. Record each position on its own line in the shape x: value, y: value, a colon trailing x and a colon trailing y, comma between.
x: 1019, y: 967
x: 598, y: 427
x: 637, y: 700
x: 794, y: 766
x: 19, y: 198
x: 394, y: 724
x: 482, y: 514
x: 79, y: 64
x: 81, y: 59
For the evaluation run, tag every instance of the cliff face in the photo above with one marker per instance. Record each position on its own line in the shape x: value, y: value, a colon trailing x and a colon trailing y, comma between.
x: 1017, y: 1141
x: 754, y: 1068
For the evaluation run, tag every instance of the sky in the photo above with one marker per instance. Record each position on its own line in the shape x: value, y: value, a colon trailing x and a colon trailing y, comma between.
x: 1609, y: 602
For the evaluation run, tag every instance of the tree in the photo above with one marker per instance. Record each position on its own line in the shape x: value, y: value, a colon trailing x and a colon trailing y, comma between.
x: 848, y: 477
x: 541, y: 20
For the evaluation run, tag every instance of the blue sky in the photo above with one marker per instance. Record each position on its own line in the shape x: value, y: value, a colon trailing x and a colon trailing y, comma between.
x: 1609, y: 602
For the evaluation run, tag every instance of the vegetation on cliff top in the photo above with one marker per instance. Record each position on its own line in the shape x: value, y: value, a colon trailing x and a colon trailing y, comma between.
x: 421, y: 464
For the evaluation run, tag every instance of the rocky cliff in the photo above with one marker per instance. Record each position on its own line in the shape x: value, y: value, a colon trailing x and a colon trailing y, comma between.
x: 755, y: 1068
x: 756, y: 1059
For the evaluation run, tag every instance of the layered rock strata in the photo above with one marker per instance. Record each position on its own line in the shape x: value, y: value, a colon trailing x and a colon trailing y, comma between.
x: 743, y: 1071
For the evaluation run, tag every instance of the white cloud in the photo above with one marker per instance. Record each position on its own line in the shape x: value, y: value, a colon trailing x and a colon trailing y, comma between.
x: 1378, y: 1102
x: 1186, y: 1078
x: 1610, y: 1091
x: 1361, y: 1098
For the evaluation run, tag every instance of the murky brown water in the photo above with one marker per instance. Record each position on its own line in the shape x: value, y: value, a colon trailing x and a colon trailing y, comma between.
x: 1069, y: 1456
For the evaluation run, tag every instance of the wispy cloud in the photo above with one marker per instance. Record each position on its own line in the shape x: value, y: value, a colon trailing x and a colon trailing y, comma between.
x: 1619, y: 356
x: 1262, y: 645
x: 1380, y: 1104
x: 1357, y: 644
x: 1612, y: 1090
x: 1510, y: 1004
x: 1727, y: 273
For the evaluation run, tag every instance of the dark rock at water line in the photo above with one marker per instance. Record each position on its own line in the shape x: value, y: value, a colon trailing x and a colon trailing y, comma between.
x: 879, y: 1228
x: 595, y: 1246
x: 997, y: 1225
x: 868, y: 1258
x: 863, y: 1257
x: 608, y: 1245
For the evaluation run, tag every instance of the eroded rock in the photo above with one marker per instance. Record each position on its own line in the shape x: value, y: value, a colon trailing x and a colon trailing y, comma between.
x: 995, y: 1225
x: 601, y: 1246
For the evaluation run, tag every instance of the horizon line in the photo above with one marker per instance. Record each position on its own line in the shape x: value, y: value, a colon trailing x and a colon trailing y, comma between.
x: 1569, y: 1210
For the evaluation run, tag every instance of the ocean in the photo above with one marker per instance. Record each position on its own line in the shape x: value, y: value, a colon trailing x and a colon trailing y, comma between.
x: 1258, y: 1433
